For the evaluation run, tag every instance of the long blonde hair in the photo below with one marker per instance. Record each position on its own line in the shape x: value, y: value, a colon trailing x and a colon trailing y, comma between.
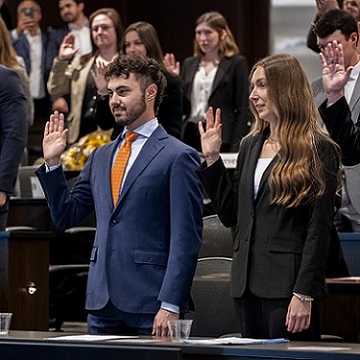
x: 298, y: 176
x: 7, y: 51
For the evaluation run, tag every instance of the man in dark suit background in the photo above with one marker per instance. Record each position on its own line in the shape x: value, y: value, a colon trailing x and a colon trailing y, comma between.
x: 13, y: 135
x: 30, y: 42
x: 340, y: 26
x: 146, y: 245
x: 72, y: 13
x: 335, y: 111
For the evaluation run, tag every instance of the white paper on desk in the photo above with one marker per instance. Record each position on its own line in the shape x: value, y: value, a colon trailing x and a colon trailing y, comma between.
x: 87, y: 337
x: 319, y: 348
x: 233, y: 341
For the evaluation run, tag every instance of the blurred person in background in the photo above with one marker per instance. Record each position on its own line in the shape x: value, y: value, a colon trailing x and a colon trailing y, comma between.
x: 82, y: 77
x: 215, y: 76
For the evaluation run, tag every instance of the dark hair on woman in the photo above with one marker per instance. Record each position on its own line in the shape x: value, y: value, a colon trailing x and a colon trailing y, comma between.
x: 146, y: 70
x: 148, y: 37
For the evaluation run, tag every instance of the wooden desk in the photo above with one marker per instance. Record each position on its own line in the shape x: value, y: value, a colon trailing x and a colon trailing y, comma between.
x: 24, y: 266
x: 30, y: 345
x: 341, y: 310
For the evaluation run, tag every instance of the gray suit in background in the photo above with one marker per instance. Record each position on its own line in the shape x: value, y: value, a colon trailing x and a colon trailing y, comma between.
x: 351, y: 185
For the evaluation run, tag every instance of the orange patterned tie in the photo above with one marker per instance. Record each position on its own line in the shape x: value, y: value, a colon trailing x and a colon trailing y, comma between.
x: 118, y: 169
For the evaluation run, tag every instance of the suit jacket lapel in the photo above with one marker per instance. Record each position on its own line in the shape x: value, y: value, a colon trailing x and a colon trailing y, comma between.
x: 151, y: 148
x: 355, y: 96
x: 251, y: 166
x: 190, y: 73
x: 220, y: 73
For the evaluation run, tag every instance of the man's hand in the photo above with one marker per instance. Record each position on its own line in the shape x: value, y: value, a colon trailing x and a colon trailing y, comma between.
x: 2, y: 199
x: 334, y: 74
x: 54, y: 141
x: 160, y: 327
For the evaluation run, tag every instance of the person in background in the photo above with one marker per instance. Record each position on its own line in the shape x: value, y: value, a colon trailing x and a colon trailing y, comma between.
x: 335, y: 111
x: 340, y: 26
x: 9, y: 58
x: 280, y: 202
x: 149, y: 221
x: 141, y: 38
x: 82, y: 76
x: 350, y: 6
x: 30, y: 42
x: 13, y: 136
x: 215, y: 76
x: 4, y: 12
x: 72, y: 13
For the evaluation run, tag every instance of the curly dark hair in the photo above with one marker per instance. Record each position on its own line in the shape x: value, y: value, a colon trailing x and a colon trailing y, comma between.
x: 145, y: 69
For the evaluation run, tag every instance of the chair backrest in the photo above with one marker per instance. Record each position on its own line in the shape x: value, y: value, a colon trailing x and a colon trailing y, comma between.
x: 27, y: 184
x: 215, y: 313
x: 217, y: 240
x: 350, y: 243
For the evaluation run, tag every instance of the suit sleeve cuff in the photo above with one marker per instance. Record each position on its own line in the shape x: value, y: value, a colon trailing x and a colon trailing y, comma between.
x: 170, y: 307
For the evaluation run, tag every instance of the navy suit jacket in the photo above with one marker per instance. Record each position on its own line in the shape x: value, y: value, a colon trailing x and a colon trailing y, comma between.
x: 22, y: 48
x: 13, y: 127
x: 277, y: 250
x: 56, y: 37
x: 146, y: 248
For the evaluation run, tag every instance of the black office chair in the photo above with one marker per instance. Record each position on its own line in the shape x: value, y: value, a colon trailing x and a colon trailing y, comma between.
x: 67, y: 292
x: 69, y: 264
x: 217, y: 240
x: 215, y: 313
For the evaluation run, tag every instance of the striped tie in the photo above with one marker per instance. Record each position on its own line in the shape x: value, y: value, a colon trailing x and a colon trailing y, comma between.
x: 118, y: 169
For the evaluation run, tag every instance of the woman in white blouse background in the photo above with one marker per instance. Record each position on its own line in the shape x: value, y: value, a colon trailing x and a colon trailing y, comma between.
x: 216, y: 75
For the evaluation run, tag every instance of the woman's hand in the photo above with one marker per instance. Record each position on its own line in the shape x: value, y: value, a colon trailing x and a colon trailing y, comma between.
x: 298, y: 315
x: 67, y: 48
x: 98, y: 75
x: 172, y: 66
x: 211, y: 138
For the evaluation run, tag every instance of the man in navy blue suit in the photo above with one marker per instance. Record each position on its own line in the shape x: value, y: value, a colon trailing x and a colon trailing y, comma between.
x: 146, y: 246
x: 13, y: 135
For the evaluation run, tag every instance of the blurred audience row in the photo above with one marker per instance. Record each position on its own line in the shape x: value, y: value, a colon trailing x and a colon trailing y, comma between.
x: 65, y: 70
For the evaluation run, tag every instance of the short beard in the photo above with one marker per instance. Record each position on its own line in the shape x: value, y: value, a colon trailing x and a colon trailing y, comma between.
x: 132, y: 114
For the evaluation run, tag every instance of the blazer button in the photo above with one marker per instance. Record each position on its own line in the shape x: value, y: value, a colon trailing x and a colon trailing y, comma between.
x: 113, y: 222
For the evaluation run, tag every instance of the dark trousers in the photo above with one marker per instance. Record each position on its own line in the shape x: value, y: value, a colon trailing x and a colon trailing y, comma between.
x: 265, y: 319
x: 111, y: 320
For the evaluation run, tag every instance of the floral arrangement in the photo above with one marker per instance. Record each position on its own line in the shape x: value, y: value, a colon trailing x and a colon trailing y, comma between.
x: 75, y: 157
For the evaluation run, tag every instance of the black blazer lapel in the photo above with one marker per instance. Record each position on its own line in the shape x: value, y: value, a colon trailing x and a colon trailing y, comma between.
x: 223, y: 68
x: 189, y: 74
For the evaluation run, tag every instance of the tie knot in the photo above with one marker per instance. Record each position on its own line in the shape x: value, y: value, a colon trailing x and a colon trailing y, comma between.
x: 130, y: 136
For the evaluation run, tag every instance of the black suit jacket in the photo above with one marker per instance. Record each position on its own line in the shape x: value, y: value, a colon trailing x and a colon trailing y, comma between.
x: 230, y: 92
x: 277, y: 250
x: 345, y: 133
x: 13, y: 127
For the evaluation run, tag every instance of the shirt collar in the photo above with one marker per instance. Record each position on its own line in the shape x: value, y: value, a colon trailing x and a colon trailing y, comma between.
x: 355, y: 71
x: 72, y: 26
x: 144, y: 130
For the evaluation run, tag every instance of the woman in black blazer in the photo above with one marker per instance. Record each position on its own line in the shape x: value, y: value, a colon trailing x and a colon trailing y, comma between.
x: 280, y: 202
x: 215, y: 76
x: 141, y: 38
